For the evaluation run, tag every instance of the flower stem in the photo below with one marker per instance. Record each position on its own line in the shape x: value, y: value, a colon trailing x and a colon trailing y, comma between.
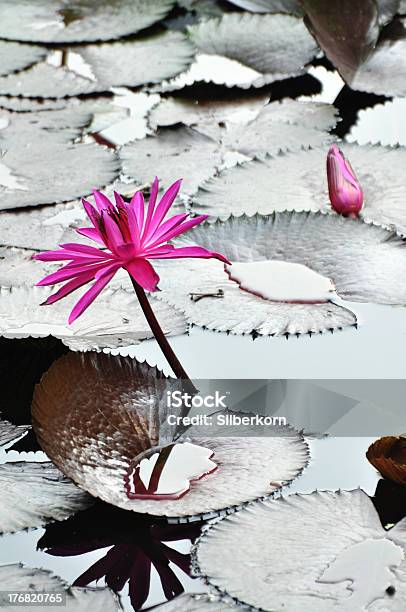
x: 160, y: 337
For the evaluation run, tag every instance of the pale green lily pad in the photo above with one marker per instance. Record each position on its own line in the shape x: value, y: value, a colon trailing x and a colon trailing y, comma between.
x: 199, y: 602
x: 64, y: 21
x: 15, y: 56
x: 60, y: 169
x: 297, y: 181
x: 37, y: 494
x: 10, y: 432
x: 270, y: 6
x: 354, y: 562
x: 115, y: 319
x: 22, y: 579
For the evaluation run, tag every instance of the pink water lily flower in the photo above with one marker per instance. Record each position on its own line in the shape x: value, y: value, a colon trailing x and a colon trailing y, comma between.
x: 345, y: 192
x: 130, y: 235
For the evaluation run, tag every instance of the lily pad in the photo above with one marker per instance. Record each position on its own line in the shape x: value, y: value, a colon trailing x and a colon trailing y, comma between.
x: 274, y: 46
x: 199, y: 602
x: 352, y: 566
x: 349, y: 33
x: 169, y: 151
x: 116, y: 319
x: 246, y: 50
x: 98, y: 68
x: 51, y: 21
x: 21, y: 579
x: 297, y: 181
x: 204, y: 149
x: 365, y: 262
x: 126, y: 416
x: 10, y: 432
x: 270, y: 6
x: 60, y: 170
x: 14, y: 56
x: 36, y: 494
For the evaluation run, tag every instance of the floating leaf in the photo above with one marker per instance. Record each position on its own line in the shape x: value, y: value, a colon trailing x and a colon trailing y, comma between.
x: 97, y: 68
x: 270, y: 6
x: 169, y: 151
x: 46, y: 81
x: 289, y: 125
x: 10, y: 432
x: 51, y: 21
x: 21, y: 579
x: 365, y: 262
x: 95, y: 414
x: 14, y: 56
x: 201, y: 602
x: 37, y: 493
x: 356, y: 561
x: 60, y: 170
x: 24, y: 105
x: 273, y: 46
x: 387, y: 10
x: 388, y: 455
x: 116, y: 319
x: 298, y: 181
x: 349, y: 33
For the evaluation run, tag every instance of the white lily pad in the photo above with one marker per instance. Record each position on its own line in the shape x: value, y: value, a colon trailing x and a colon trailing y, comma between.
x: 297, y: 181
x: 323, y: 551
x: 60, y: 169
x: 21, y: 579
x: 115, y: 319
x: 51, y: 21
x: 365, y: 262
x: 15, y: 56
x: 95, y: 437
x: 34, y: 494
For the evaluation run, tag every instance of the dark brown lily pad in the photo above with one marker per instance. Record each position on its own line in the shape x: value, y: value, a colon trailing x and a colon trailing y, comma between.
x: 388, y: 456
x: 95, y: 415
x: 62, y: 21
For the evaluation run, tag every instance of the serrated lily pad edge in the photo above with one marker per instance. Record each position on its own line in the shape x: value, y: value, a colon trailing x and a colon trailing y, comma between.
x: 218, y: 515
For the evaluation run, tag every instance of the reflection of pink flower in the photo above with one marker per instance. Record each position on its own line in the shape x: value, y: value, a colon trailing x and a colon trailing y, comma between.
x: 136, y: 545
x: 345, y: 192
x: 132, y: 235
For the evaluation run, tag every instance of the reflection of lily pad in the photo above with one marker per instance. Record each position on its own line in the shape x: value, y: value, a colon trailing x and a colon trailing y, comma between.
x: 52, y: 21
x: 297, y: 181
x: 343, y: 558
x: 22, y: 579
x: 37, y: 493
x: 60, y: 170
x: 116, y: 319
x: 14, y: 56
x: 94, y: 437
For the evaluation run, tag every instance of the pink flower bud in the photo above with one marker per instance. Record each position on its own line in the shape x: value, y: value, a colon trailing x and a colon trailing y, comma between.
x: 345, y: 192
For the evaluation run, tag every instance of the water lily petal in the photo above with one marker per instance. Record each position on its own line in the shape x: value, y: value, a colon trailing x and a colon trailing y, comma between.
x: 137, y: 205
x: 89, y: 251
x: 171, y: 223
x: 151, y: 205
x: 192, y: 251
x: 102, y: 201
x: 92, y: 233
x: 181, y: 229
x: 69, y: 287
x: 92, y: 293
x: 164, y: 205
x: 67, y: 272
x: 143, y: 272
